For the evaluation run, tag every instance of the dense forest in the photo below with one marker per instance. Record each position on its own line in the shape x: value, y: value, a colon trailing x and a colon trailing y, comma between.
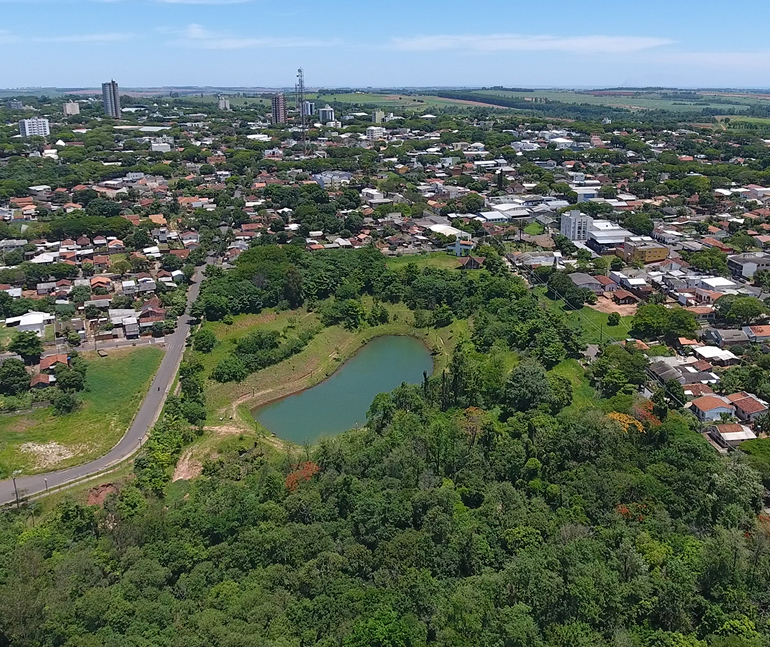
x: 480, y: 507
x: 444, y: 527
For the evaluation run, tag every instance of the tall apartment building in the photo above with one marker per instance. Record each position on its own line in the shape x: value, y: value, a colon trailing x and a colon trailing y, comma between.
x: 36, y: 127
x: 326, y: 114
x: 308, y: 108
x: 15, y: 104
x: 375, y: 132
x: 575, y: 225
x: 111, y: 99
x: 279, y: 108
x: 224, y: 103
x: 71, y: 108
x: 378, y: 116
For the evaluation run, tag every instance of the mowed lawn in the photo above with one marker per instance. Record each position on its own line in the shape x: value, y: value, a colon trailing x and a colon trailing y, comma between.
x: 439, y: 260
x: 117, y: 385
x: 592, y: 322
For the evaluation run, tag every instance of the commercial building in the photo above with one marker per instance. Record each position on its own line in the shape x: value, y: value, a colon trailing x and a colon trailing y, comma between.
x: 643, y: 249
x: 378, y: 116
x: 71, y: 108
x: 224, y: 103
x: 36, y: 127
x: 605, y: 236
x: 279, y: 108
x: 326, y: 114
x: 111, y: 99
x: 575, y: 225
x: 743, y: 266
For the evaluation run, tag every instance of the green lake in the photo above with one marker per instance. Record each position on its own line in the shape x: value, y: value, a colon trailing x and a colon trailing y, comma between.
x: 340, y: 402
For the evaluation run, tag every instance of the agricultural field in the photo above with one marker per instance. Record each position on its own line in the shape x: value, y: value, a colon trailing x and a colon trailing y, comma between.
x: 38, y: 441
x: 640, y: 100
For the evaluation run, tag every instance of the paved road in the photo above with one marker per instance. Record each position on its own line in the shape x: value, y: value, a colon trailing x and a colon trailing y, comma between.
x: 145, y: 418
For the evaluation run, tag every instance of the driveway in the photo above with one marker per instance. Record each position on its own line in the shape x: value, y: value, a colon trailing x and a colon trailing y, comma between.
x: 145, y: 417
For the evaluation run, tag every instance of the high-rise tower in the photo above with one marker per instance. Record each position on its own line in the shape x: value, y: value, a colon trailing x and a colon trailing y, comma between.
x: 111, y: 98
x: 279, y: 108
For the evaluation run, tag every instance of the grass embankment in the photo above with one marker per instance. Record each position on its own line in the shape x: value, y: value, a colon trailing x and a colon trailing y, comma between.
x: 325, y: 353
x: 39, y: 441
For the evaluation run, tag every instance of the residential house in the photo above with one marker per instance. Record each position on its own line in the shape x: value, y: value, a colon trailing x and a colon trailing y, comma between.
x: 116, y: 246
x: 471, y: 262
x: 608, y: 285
x: 50, y: 362
x: 42, y: 381
x: 757, y: 334
x: 747, y: 406
x: 725, y: 338
x: 582, y: 280
x: 623, y: 297
x: 731, y: 434
x: 709, y: 408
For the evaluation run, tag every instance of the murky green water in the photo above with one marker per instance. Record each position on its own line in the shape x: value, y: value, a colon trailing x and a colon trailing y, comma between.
x: 341, y: 402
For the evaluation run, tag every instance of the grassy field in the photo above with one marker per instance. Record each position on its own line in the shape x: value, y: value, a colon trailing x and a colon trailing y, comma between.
x: 534, y: 229
x: 592, y: 322
x: 117, y: 385
x: 583, y: 395
x: 440, y: 260
x: 328, y: 350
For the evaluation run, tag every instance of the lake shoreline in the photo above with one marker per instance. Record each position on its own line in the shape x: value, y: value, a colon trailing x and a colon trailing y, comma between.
x: 341, y: 399
x: 241, y: 407
x: 340, y: 364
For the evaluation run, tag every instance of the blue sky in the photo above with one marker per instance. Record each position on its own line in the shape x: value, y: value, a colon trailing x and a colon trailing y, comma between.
x: 561, y: 43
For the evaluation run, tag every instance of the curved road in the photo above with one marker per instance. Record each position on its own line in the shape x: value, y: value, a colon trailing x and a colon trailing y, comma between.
x: 145, y: 418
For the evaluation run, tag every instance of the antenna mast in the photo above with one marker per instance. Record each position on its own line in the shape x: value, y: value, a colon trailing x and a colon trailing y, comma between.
x: 300, y: 98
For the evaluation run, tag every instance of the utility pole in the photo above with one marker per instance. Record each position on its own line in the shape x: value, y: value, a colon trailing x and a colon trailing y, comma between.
x: 299, y: 92
x: 15, y: 490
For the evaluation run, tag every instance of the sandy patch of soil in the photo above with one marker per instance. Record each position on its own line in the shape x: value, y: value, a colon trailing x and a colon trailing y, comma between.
x: 48, y: 454
x: 608, y: 306
x: 98, y: 494
x: 187, y: 468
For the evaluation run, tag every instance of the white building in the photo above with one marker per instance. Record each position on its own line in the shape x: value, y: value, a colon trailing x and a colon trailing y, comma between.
x: 34, y: 127
x: 375, y: 132
x: 326, y: 114
x: 378, y: 116
x: 71, y: 108
x: 34, y: 321
x: 575, y: 225
x: 224, y: 103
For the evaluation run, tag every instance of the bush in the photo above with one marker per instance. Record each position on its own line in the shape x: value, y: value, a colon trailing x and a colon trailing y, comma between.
x: 229, y: 369
x: 613, y: 319
x: 204, y: 341
x: 64, y: 403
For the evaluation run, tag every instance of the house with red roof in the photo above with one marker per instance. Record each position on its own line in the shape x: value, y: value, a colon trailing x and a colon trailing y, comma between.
x: 709, y: 408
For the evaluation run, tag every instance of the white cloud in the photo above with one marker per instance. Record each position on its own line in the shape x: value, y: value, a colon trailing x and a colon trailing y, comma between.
x: 531, y: 43
x: 197, y: 36
x: 215, y: 2
x: 104, y: 37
